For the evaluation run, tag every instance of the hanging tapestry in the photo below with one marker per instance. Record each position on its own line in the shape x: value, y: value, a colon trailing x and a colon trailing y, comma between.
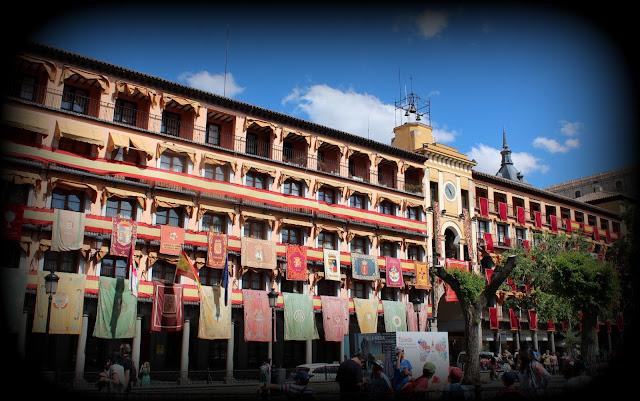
x: 299, y: 320
x: 117, y: 309
x: 123, y: 236
x: 395, y: 316
x: 493, y: 318
x: 502, y: 209
x: 467, y: 236
x: 394, y: 273
x: 168, y: 309
x: 364, y: 267
x: 515, y: 322
x: 450, y: 295
x: 520, y: 211
x: 216, y: 250
x: 537, y: 218
x: 296, y: 262
x: 484, y: 207
x: 14, y: 286
x: 257, y: 316
x: 331, y: 264
x: 412, y: 319
x: 554, y: 223
x: 488, y: 242
x: 335, y: 317
x: 533, y: 321
x: 171, y: 240
x: 258, y: 253
x: 68, y: 230
x: 11, y: 220
x: 367, y: 314
x: 423, y: 317
x: 422, y: 276
x: 215, y: 316
x: 67, y: 304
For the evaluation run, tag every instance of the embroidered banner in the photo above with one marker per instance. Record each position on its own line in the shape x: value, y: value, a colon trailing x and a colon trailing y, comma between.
x: 117, y: 309
x: 412, y: 319
x: 395, y: 316
x: 66, y: 306
x: 68, y: 230
x: 299, y: 321
x: 394, y: 273
x: 493, y: 318
x: 11, y: 220
x: 296, y: 262
x: 215, y: 316
x: 258, y: 253
x: 123, y: 236
x: 216, y: 250
x: 364, y: 267
x: 171, y: 240
x: 335, y: 317
x: 331, y: 264
x: 168, y: 309
x: 367, y: 314
x: 422, y: 276
x: 14, y: 286
x: 257, y: 316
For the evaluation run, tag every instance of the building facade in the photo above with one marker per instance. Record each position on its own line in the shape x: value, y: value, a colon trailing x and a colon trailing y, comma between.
x: 92, y: 145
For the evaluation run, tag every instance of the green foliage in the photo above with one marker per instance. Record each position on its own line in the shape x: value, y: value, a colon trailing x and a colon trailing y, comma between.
x: 471, y: 285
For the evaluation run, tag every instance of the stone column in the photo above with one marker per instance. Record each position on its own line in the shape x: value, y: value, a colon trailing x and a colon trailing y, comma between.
x: 309, y: 351
x: 552, y: 340
x: 135, y: 349
x: 230, y: 344
x: 534, y: 336
x: 80, y: 354
x: 184, y: 357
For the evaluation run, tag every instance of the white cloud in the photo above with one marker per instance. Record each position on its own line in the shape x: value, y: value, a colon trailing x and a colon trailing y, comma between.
x: 431, y: 23
x: 489, y: 160
x: 214, y: 83
x: 569, y: 128
x: 553, y: 146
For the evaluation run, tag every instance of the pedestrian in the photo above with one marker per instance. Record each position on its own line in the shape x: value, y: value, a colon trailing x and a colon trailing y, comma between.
x: 117, y: 383
x: 510, y: 392
x: 130, y: 374
x: 581, y: 377
x: 265, y: 375
x: 554, y: 363
x: 299, y: 389
x: 455, y: 391
x: 421, y: 383
x: 145, y: 375
x: 533, y: 377
x: 104, y: 377
x: 381, y: 388
x: 546, y: 361
x: 350, y: 377
x: 402, y: 370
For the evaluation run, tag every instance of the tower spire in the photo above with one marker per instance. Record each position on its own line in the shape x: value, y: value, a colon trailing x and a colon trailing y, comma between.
x: 507, y: 170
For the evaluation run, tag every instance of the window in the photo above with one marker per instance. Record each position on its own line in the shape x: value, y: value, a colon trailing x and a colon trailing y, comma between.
x: 216, y: 221
x: 163, y: 270
x: 577, y: 194
x: 126, y: 155
x: 67, y: 200
x: 209, y: 276
x: 173, y: 162
x: 326, y: 194
x: 359, y: 289
x: 502, y: 232
x: 483, y: 227
x: 329, y: 287
x: 389, y: 293
x: 414, y: 252
x: 433, y: 187
x: 357, y: 201
x: 292, y: 187
x: 254, y: 229
x: 170, y: 123
x: 387, y: 207
x: 414, y: 213
x: 27, y: 86
x: 292, y: 235
x: 73, y: 146
x: 61, y: 261
x: 114, y: 267
x: 125, y: 112
x: 216, y: 172
x: 327, y: 240
x: 170, y: 216
x: 213, y: 134
x: 254, y: 281
x: 11, y: 254
x: 252, y: 144
x: 359, y: 245
x: 388, y: 248
x: 294, y: 286
x: 75, y: 99
x: 521, y: 234
x: 14, y: 193
x: 256, y: 180
x: 123, y: 208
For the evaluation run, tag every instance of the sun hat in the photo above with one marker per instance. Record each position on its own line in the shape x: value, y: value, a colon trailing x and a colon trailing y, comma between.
x: 378, y: 363
x: 429, y: 367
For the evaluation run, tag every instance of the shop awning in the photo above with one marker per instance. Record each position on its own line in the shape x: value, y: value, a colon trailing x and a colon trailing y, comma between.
x: 78, y: 132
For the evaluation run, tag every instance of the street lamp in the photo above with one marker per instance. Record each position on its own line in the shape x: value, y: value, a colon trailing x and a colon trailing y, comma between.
x: 417, y: 303
x: 50, y: 287
x: 273, y: 302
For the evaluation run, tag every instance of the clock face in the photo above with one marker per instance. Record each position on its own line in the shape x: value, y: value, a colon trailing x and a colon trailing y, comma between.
x: 450, y: 191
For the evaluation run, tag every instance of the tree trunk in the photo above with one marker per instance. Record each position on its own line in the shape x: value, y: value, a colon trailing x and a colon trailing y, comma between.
x: 588, y: 343
x: 472, y: 316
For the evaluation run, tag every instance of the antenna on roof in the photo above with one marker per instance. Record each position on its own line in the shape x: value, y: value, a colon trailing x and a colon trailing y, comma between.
x: 224, y: 90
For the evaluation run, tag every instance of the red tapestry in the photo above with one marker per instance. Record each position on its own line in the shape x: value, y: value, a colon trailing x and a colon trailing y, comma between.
x: 538, y: 218
x: 171, y: 240
x: 167, y: 313
x: 554, y: 223
x: 257, y: 316
x: 520, y: 211
x: 533, y: 321
x: 502, y: 207
x: 216, y: 250
x: 296, y: 262
x: 515, y: 323
x: 335, y: 317
x: 493, y: 318
x: 551, y: 326
x: 489, y: 273
x: 450, y: 294
x: 488, y: 240
x: 394, y: 273
x: 412, y: 319
x: 123, y: 235
x: 12, y: 217
x: 484, y: 207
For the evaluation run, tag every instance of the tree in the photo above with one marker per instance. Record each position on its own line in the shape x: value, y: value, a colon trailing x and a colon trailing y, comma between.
x: 474, y: 293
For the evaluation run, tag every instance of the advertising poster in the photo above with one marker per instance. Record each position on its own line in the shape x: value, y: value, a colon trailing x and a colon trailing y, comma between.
x: 427, y: 346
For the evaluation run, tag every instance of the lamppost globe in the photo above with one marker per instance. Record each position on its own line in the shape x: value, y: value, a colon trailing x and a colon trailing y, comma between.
x: 417, y: 303
x: 273, y: 298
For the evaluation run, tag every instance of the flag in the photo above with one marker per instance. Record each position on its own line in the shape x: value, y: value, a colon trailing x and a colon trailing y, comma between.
x: 133, y: 272
x: 185, y: 268
x: 225, y: 282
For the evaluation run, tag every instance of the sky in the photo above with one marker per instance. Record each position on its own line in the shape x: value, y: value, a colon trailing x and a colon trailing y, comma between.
x: 557, y: 82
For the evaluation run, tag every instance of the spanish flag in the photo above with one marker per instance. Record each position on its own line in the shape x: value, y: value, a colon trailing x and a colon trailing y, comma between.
x: 186, y: 268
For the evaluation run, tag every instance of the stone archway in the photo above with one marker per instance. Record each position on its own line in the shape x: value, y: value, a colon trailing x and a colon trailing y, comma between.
x: 450, y: 319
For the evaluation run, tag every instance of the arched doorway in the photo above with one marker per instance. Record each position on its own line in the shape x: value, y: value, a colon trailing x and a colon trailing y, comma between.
x: 450, y: 319
x: 451, y: 244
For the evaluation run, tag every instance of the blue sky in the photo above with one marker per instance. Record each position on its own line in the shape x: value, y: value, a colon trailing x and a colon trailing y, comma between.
x: 556, y: 81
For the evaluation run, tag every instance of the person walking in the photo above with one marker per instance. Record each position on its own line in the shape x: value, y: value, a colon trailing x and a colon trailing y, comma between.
x: 402, y: 370
x: 299, y: 389
x: 554, y: 363
x: 145, y: 375
x: 265, y: 375
x: 350, y: 377
x: 381, y: 388
x: 546, y: 360
x: 533, y: 377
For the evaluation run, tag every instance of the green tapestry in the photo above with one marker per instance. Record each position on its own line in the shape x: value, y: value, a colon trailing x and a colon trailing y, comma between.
x: 395, y: 316
x: 117, y: 309
x: 299, y: 319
